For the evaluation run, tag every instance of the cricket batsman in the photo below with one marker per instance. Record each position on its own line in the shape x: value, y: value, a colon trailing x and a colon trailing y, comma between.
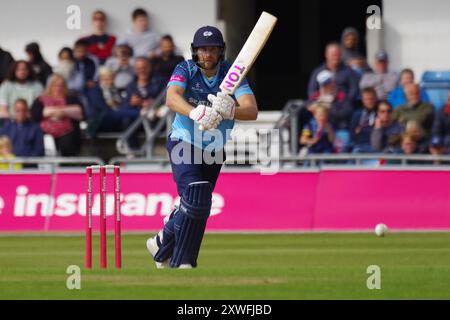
x: 202, y: 125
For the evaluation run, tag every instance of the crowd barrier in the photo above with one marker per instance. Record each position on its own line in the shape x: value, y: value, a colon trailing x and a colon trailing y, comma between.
x: 307, y: 200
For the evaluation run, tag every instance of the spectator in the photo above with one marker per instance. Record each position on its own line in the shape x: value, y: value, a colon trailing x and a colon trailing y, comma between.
x: 349, y: 44
x: 141, y: 39
x: 26, y: 136
x: 41, y: 68
x: 415, y: 109
x: 122, y: 66
x: 345, y: 78
x: 100, y: 44
x: 386, y: 134
x: 66, y: 63
x: 141, y: 93
x: 318, y: 134
x: 6, y: 153
x: 6, y: 61
x: 164, y: 64
x: 104, y: 112
x: 414, y: 129
x: 381, y: 79
x: 58, y: 115
x: 440, y: 133
x: 351, y: 54
x: 85, y: 68
x: 340, y: 109
x: 20, y: 84
x: 363, y: 122
x: 397, y: 96
x: 408, y: 145
x: 359, y: 65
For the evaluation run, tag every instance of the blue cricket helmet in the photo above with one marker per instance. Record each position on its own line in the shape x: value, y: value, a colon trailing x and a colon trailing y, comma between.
x: 207, y: 36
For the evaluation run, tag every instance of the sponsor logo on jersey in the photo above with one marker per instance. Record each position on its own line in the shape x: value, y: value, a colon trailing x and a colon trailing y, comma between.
x: 177, y: 77
x: 197, y: 87
x: 195, y: 102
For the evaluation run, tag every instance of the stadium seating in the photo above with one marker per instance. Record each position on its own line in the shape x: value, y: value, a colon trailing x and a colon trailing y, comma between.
x: 437, y: 85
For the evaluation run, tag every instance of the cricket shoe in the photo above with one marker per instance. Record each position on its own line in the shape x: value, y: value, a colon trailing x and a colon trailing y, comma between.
x: 152, y: 247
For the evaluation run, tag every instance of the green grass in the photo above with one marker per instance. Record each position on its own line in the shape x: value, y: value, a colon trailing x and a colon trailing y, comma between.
x: 231, y: 266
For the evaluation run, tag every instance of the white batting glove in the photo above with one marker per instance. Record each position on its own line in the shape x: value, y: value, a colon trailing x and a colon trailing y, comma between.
x: 206, y: 117
x: 223, y: 104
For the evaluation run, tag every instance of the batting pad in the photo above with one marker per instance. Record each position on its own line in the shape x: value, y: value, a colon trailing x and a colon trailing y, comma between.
x: 190, y: 223
x: 167, y: 241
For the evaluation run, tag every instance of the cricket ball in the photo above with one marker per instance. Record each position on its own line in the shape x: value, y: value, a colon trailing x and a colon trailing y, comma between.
x: 381, y: 229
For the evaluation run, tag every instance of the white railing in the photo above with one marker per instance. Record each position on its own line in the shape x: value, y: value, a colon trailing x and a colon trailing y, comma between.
x: 50, y: 163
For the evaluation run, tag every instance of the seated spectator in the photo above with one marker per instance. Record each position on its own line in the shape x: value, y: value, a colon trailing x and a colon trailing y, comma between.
x: 359, y: 65
x: 100, y: 44
x: 104, y: 106
x: 122, y: 66
x: 440, y: 133
x: 6, y: 153
x: 340, y: 109
x: 41, y: 68
x: 164, y: 64
x: 26, y: 136
x: 414, y: 130
x: 346, y: 79
x: 408, y: 145
x: 397, y: 96
x: 84, y: 74
x: 6, y: 61
x: 141, y: 39
x: 381, y: 79
x: 415, y: 109
x: 318, y: 134
x: 66, y: 63
x: 386, y: 133
x: 141, y: 93
x: 20, y: 84
x: 58, y: 115
x: 363, y: 121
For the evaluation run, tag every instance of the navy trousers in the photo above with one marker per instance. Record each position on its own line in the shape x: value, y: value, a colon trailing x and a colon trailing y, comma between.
x: 185, y: 173
x: 187, y: 168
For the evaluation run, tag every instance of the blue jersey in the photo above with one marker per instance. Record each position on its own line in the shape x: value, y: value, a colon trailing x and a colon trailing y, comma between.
x: 197, y: 86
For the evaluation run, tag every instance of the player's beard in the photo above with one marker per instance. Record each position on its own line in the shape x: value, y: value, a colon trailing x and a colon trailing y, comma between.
x: 208, y: 65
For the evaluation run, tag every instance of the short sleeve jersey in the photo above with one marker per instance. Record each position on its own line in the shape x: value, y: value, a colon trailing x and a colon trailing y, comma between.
x: 197, y: 86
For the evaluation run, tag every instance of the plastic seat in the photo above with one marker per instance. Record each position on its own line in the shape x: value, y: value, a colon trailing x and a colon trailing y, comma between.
x: 437, y: 86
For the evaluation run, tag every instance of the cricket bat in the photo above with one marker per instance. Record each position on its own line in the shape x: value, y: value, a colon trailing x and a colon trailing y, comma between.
x: 248, y: 54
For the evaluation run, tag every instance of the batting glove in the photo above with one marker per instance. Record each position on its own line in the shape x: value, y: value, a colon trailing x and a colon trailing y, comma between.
x: 223, y: 104
x: 206, y: 117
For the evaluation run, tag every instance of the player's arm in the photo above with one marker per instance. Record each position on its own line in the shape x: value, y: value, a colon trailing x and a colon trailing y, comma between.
x: 247, y: 109
x: 176, y: 102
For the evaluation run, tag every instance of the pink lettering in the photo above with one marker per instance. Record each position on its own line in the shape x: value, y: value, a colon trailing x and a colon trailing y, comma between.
x: 233, y: 76
x: 229, y: 84
x: 241, y: 70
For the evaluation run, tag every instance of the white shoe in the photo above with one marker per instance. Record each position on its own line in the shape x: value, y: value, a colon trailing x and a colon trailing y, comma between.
x: 152, y: 247
x: 185, y: 266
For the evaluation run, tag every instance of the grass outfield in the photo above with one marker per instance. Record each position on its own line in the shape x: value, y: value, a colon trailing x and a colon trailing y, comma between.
x: 232, y: 266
